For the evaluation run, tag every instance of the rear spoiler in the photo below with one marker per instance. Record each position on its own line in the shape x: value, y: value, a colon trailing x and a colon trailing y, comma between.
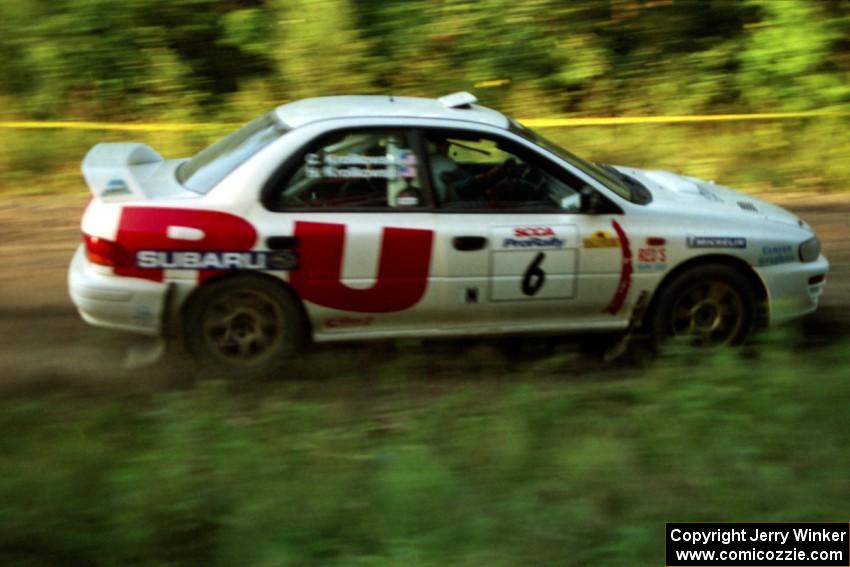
x: 113, y: 169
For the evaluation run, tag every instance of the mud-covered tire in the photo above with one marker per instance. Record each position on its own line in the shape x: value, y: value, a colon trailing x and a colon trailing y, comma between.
x: 707, y: 306
x: 244, y: 326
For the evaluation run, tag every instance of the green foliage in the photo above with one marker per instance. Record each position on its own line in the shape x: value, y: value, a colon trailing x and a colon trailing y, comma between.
x: 205, y: 60
x: 508, y: 471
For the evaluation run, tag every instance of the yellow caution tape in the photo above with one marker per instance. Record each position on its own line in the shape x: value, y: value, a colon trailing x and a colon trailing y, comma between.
x: 530, y: 122
x: 164, y: 127
x: 619, y: 120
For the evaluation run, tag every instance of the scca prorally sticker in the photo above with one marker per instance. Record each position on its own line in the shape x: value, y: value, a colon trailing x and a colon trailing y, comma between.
x: 534, y: 237
x: 356, y: 166
x: 196, y: 260
x: 716, y: 242
x: 774, y: 255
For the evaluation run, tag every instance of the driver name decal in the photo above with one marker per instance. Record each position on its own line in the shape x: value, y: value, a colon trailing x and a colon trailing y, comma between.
x: 356, y: 166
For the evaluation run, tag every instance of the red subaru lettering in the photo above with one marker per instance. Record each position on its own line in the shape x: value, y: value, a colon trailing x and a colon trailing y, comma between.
x: 146, y: 228
x: 403, y: 267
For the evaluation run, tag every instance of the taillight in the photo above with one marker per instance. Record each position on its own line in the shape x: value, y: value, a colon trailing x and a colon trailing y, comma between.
x: 106, y: 252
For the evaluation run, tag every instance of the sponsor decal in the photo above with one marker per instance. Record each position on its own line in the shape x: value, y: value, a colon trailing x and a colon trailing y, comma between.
x: 400, y: 283
x: 625, y: 271
x: 356, y: 166
x: 534, y: 237
x: 146, y: 229
x: 402, y: 278
x: 205, y: 260
x: 345, y: 322
x: 601, y: 239
x: 654, y: 258
x: 774, y: 255
x: 716, y: 242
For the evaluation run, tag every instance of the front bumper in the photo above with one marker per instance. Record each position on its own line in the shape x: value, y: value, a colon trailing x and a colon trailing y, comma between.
x: 790, y: 295
x: 105, y: 300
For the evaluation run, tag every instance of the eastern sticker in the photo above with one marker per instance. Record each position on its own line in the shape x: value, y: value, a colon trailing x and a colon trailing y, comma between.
x: 774, y: 255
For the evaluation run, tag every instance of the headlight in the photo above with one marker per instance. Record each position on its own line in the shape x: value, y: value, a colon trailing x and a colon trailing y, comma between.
x: 810, y: 250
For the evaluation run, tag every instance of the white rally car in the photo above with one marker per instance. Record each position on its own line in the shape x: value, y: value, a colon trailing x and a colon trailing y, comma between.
x: 366, y: 217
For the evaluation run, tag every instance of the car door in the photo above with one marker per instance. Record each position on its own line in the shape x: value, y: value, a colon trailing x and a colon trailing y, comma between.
x: 353, y: 210
x: 514, y: 249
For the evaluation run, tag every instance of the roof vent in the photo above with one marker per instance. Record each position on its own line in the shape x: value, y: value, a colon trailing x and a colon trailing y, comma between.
x: 747, y: 206
x: 462, y: 99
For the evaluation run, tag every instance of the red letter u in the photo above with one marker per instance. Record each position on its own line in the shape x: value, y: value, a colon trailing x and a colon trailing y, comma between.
x: 402, y: 269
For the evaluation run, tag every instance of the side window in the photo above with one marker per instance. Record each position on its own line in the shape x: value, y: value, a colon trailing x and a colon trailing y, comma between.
x: 474, y: 172
x: 355, y: 169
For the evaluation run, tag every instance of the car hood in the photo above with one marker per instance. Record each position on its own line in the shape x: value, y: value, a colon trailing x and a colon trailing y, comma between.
x: 687, y: 192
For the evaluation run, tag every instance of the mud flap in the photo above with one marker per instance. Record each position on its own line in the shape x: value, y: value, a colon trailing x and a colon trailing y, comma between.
x: 147, y: 351
x: 621, y: 346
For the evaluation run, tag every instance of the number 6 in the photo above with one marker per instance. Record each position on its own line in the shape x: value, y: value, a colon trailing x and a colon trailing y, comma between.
x: 534, y: 277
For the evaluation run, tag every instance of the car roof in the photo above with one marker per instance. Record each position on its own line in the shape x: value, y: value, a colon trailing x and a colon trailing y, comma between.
x: 299, y: 113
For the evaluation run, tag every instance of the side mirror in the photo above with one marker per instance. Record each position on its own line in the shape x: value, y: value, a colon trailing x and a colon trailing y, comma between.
x: 591, y: 201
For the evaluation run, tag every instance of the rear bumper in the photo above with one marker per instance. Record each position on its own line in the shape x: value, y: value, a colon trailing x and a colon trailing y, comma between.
x: 128, y: 304
x: 790, y: 294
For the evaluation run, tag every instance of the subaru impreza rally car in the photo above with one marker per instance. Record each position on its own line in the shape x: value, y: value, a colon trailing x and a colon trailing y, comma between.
x: 367, y: 217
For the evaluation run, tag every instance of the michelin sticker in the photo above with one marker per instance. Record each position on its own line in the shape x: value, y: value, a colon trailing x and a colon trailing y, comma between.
x: 196, y: 260
x: 356, y: 166
x: 716, y: 242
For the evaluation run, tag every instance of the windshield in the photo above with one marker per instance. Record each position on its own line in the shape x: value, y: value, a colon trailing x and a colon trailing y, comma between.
x: 209, y: 166
x: 594, y: 171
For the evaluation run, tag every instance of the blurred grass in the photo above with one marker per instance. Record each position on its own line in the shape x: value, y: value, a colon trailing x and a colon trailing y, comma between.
x: 799, y: 155
x: 535, y: 467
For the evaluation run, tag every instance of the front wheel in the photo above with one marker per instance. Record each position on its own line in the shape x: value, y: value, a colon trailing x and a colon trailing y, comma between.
x: 706, y: 306
x: 243, y: 325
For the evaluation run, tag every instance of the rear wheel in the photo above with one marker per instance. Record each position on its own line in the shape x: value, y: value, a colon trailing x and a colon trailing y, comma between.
x: 706, y: 306
x: 243, y: 325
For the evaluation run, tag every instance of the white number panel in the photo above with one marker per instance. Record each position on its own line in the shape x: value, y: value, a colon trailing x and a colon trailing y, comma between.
x: 533, y: 262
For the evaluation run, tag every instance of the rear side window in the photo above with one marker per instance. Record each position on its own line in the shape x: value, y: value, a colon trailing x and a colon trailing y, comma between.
x: 212, y: 164
x: 364, y: 169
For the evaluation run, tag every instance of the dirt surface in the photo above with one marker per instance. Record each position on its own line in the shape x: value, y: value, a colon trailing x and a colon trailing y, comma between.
x: 43, y: 340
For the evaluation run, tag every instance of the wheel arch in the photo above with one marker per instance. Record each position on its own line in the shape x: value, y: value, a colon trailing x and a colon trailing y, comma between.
x: 284, y: 286
x: 741, y: 266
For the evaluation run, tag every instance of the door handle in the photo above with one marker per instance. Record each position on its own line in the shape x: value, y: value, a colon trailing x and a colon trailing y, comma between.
x: 469, y: 243
x: 282, y: 242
